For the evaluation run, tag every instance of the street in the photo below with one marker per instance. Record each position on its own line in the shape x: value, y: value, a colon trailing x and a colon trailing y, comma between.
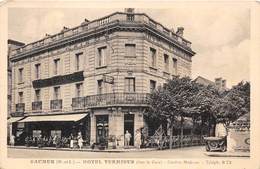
x: 188, y: 152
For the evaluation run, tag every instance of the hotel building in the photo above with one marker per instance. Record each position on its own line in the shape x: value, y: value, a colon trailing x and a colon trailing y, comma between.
x: 95, y: 78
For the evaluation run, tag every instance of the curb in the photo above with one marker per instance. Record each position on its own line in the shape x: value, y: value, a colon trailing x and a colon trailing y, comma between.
x: 84, y: 150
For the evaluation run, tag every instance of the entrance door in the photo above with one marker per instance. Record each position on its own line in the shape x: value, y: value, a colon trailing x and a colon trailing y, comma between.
x: 129, y: 126
x: 102, y: 128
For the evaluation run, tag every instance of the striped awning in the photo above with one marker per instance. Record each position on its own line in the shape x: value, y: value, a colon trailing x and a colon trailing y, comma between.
x: 49, y: 118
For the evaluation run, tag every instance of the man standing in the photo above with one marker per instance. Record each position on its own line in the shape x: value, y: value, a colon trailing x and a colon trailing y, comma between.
x: 127, y: 138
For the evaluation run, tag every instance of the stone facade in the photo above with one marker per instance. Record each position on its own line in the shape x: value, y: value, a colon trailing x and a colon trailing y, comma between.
x: 119, y: 46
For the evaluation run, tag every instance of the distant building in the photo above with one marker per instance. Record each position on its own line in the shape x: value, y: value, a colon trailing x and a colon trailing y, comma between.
x: 95, y: 78
x: 218, y: 83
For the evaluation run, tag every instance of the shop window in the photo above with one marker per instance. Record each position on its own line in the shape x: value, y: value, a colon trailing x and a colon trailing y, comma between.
x: 56, y: 132
x: 36, y: 133
x: 130, y: 84
x: 130, y: 49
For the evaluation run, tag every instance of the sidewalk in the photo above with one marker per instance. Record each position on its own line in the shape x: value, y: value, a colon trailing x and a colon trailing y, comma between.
x: 86, y: 149
x: 228, y: 154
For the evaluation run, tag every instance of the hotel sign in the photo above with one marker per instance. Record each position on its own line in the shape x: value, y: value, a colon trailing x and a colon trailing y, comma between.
x: 59, y: 80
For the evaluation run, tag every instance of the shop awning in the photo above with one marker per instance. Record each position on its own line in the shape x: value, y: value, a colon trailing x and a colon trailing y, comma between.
x: 14, y: 119
x: 48, y: 118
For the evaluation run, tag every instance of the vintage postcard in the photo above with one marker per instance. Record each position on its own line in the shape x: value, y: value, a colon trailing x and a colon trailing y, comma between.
x: 119, y: 84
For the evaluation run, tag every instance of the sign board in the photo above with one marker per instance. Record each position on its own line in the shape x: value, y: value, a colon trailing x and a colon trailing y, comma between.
x: 108, y: 79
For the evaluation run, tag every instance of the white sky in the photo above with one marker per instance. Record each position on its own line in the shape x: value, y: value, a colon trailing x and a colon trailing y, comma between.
x: 220, y: 35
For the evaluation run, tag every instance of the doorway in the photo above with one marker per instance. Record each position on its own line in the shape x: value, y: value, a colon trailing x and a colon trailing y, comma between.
x: 129, y: 126
x: 102, y: 129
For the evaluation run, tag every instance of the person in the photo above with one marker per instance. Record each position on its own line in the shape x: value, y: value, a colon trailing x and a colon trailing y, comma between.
x: 12, y: 140
x: 71, y: 141
x: 80, y: 140
x: 54, y: 140
x: 138, y: 139
x: 127, y: 138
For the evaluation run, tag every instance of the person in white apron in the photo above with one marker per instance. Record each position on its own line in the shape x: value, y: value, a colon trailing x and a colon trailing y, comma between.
x: 71, y: 141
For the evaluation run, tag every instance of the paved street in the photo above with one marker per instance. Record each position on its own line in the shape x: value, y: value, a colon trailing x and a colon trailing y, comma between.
x: 188, y: 152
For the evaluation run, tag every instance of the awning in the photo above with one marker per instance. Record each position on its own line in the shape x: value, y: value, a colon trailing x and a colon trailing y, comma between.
x: 48, y: 118
x: 14, y: 119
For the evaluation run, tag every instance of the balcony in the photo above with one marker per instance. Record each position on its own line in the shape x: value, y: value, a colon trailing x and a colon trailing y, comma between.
x: 78, y: 103
x: 56, y: 104
x: 37, y: 105
x: 110, y: 99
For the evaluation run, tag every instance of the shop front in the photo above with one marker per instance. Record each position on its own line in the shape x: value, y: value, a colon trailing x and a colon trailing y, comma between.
x: 47, y: 127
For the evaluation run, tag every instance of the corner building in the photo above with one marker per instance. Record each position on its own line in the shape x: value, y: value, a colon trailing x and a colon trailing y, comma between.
x: 96, y: 77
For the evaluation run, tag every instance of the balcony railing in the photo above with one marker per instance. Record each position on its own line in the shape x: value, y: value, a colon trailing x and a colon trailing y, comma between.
x: 37, y: 105
x: 56, y: 104
x: 20, y: 107
x: 116, y: 99
x: 78, y: 102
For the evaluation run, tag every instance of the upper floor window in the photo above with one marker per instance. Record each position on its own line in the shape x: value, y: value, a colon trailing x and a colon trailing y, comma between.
x: 102, y: 54
x: 152, y: 57
x: 78, y: 61
x: 37, y: 95
x: 37, y: 71
x: 56, y: 69
x: 174, y: 66
x: 100, y: 86
x: 130, y: 49
x: 130, y: 84
x: 152, y: 85
x: 20, y: 76
x: 79, y: 90
x: 56, y: 94
x: 166, y: 62
x: 20, y: 97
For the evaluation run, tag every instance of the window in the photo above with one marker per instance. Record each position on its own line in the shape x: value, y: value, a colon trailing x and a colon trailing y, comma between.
x: 36, y: 133
x: 20, y: 76
x: 37, y: 95
x: 153, y: 57
x: 78, y: 61
x: 37, y: 71
x: 79, y: 90
x: 20, y: 95
x: 100, y: 87
x: 130, y: 49
x: 130, y: 84
x: 102, y: 54
x: 166, y: 62
x: 152, y: 85
x: 174, y: 66
x: 56, y: 95
x: 56, y: 66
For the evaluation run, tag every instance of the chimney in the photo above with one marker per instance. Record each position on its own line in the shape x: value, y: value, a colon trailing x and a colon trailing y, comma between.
x: 218, y: 82
x: 180, y: 31
x: 129, y: 10
x: 224, y: 83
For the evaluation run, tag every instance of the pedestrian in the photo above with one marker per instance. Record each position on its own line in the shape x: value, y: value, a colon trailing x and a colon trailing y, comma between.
x: 138, y: 138
x: 127, y: 138
x: 71, y: 141
x: 80, y: 140
x: 12, y: 140
x: 54, y: 140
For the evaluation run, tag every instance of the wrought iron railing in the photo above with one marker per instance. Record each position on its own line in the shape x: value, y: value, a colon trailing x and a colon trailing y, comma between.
x: 56, y: 104
x: 37, y: 105
x: 78, y: 102
x: 116, y: 98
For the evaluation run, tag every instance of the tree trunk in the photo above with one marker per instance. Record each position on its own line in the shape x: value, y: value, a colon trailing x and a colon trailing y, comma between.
x: 182, y: 131
x: 171, y: 129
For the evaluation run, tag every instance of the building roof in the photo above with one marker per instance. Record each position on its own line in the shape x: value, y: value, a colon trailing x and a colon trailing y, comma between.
x: 14, y: 42
x: 204, y: 81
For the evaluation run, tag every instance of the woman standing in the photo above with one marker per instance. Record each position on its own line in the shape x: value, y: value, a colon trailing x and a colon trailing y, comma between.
x: 80, y: 140
x: 71, y: 141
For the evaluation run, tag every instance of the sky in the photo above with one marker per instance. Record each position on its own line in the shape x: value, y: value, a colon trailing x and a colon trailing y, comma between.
x: 220, y: 35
